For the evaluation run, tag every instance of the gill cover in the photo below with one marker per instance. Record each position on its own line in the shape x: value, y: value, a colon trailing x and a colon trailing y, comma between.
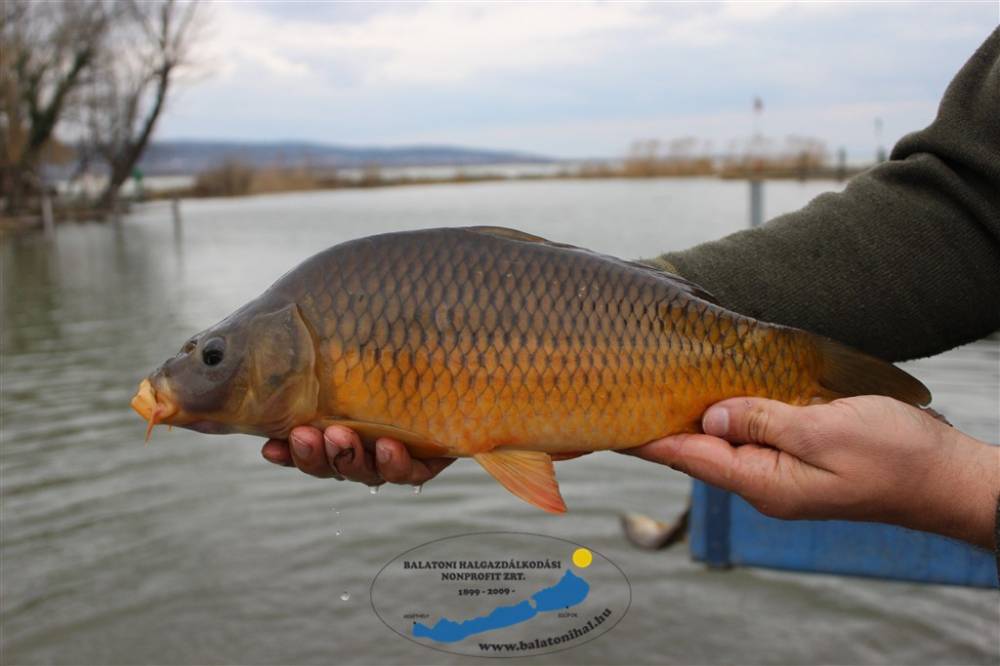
x: 283, y: 380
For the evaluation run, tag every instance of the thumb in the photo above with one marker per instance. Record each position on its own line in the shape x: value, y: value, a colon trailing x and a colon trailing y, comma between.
x: 766, y: 470
x: 754, y: 421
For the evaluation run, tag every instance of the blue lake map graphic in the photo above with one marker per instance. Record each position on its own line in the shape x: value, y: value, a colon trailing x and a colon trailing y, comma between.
x: 569, y: 591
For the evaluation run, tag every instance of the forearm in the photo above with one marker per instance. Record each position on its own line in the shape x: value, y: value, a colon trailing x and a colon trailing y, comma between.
x: 906, y: 261
x: 962, y: 500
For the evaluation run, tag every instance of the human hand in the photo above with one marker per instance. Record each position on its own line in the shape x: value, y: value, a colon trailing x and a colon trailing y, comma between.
x: 339, y: 453
x: 867, y: 458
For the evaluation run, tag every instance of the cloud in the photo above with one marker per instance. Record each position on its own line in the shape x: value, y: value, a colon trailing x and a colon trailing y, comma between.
x: 574, y: 79
x: 433, y: 43
x: 447, y: 43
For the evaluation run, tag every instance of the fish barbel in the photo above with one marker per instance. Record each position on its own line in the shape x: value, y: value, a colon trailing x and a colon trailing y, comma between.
x: 493, y: 344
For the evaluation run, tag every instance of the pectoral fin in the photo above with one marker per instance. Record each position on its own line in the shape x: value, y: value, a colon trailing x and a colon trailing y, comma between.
x: 527, y: 474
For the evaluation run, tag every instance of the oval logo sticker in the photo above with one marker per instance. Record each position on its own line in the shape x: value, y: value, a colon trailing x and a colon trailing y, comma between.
x: 501, y: 594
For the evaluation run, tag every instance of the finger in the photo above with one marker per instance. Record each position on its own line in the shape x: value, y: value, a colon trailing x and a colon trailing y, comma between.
x: 710, y: 459
x: 393, y: 461
x: 755, y: 421
x: 276, y: 451
x: 748, y: 470
x: 774, y: 481
x: 307, y: 452
x: 396, y: 466
x: 347, y: 455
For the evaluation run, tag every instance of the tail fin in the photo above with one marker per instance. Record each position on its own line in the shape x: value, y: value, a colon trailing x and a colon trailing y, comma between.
x: 846, y: 372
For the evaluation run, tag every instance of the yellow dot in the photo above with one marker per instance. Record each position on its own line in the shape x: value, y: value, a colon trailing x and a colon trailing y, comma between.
x: 582, y: 557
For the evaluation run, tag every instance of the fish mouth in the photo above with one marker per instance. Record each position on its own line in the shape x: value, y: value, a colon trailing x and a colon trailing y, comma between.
x: 152, y: 405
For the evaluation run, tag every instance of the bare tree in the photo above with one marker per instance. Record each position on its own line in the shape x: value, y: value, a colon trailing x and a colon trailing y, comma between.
x: 46, y: 52
x: 130, y: 92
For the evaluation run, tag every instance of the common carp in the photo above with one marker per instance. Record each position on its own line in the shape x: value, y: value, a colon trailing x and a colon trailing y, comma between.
x: 494, y: 344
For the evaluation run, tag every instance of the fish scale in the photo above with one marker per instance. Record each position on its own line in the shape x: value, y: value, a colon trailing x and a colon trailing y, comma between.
x: 406, y: 337
x: 495, y: 344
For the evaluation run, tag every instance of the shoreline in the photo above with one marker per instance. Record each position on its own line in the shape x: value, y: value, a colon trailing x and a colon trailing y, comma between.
x: 299, y: 181
x: 291, y: 181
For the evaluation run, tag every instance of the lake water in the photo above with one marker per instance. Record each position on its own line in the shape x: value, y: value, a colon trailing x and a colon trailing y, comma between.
x: 193, y: 550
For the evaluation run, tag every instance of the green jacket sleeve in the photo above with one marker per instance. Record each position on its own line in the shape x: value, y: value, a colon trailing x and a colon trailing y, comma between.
x: 906, y: 261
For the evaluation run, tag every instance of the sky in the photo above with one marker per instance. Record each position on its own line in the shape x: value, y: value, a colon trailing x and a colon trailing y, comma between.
x: 571, y: 79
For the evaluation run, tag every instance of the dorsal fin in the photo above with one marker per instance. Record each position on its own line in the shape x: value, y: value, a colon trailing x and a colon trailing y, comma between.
x: 509, y: 234
x: 681, y: 283
x: 685, y: 285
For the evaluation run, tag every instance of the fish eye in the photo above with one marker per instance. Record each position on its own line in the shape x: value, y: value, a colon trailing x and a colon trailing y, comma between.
x: 213, y: 351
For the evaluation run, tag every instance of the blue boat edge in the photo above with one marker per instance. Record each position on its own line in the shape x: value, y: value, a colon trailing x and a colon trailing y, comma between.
x: 727, y: 532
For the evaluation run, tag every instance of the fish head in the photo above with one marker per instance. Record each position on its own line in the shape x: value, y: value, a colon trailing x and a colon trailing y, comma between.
x: 253, y: 372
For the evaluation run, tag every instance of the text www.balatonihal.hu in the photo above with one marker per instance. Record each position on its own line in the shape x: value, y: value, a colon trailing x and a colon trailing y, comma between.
x: 542, y: 643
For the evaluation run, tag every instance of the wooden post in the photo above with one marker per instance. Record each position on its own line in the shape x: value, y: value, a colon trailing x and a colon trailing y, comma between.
x: 48, y: 221
x: 757, y: 166
x: 756, y: 202
x: 175, y: 210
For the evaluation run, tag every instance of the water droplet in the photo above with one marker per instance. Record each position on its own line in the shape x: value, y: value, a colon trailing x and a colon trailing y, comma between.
x: 418, y: 488
x: 373, y: 490
x: 345, y: 596
x: 336, y: 513
x: 337, y: 533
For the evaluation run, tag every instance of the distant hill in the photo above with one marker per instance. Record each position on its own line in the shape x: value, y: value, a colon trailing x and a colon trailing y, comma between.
x: 187, y: 157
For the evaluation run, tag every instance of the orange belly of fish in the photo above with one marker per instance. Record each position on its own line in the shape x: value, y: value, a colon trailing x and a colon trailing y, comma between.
x: 553, y: 401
